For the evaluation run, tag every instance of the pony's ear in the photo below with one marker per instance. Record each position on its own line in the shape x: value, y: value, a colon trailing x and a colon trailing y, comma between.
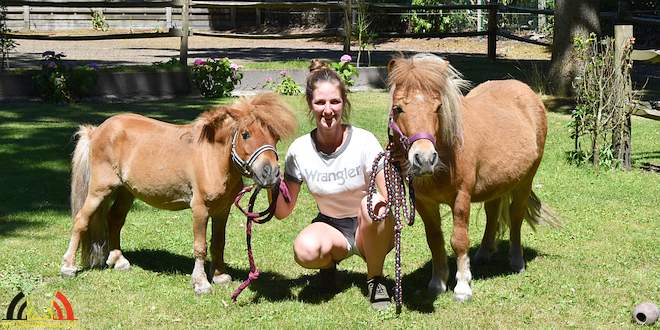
x: 214, y: 126
x: 392, y: 64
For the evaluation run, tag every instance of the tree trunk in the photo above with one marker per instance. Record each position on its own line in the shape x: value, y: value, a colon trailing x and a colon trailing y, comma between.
x: 572, y: 18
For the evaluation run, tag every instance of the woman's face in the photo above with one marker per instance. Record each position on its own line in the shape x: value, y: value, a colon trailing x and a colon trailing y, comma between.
x: 327, y: 105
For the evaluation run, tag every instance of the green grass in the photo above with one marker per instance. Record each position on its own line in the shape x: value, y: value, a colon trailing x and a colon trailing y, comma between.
x: 589, y: 274
x: 276, y: 65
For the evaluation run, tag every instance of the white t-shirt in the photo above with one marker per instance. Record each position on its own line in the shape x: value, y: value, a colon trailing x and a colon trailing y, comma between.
x: 338, y: 181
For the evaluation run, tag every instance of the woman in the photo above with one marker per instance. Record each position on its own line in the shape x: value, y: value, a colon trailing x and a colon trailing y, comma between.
x: 335, y: 161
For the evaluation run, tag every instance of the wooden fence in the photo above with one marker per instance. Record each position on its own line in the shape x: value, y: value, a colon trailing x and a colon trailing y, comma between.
x: 185, y: 17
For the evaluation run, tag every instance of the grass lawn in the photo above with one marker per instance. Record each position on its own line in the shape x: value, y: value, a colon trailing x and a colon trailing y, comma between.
x: 589, y: 274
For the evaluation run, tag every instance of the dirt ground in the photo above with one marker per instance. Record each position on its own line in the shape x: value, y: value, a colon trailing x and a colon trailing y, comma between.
x: 149, y: 50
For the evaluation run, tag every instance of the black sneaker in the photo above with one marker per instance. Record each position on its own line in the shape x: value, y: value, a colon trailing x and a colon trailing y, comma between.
x: 328, y: 279
x: 378, y: 296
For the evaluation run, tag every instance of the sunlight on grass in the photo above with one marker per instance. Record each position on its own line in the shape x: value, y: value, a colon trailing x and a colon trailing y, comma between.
x: 589, y: 274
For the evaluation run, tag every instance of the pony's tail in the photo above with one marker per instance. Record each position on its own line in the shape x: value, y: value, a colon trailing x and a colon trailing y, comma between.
x: 536, y: 213
x: 93, y: 242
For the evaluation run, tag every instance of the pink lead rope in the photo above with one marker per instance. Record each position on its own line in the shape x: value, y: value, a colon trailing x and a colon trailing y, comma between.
x: 261, y: 217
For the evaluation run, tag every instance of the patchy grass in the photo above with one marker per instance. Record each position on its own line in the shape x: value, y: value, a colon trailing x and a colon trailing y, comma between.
x: 588, y: 274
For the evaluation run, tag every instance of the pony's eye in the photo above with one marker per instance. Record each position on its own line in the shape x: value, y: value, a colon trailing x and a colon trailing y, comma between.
x: 245, y: 135
x: 397, y: 109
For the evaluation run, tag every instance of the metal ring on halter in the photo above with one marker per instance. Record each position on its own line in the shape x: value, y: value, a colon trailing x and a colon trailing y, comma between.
x: 246, y: 166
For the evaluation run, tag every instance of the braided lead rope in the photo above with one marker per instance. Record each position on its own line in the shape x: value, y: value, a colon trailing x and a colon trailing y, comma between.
x: 279, y: 187
x: 395, y: 205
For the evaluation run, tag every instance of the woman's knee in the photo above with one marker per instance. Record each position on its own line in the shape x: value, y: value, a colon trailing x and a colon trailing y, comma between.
x: 307, y: 250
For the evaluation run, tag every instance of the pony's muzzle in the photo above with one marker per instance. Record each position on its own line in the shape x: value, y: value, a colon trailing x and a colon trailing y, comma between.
x: 423, y: 158
x: 266, y: 175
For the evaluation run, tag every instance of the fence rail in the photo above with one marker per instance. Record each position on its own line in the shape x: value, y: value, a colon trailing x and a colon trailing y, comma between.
x: 180, y: 17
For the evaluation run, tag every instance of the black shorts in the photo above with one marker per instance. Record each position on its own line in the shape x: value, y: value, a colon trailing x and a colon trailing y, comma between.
x: 346, y: 226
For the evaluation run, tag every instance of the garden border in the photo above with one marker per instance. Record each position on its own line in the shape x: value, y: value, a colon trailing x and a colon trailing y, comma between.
x: 165, y: 84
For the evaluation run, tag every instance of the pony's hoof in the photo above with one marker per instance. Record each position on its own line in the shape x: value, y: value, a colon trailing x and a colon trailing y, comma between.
x: 517, y: 264
x: 462, y: 292
x: 202, y: 288
x: 122, y: 264
x: 436, y: 287
x: 68, y: 272
x: 221, y: 279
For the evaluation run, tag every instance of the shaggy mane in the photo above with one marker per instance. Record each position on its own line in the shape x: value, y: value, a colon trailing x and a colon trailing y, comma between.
x: 268, y: 109
x: 431, y: 75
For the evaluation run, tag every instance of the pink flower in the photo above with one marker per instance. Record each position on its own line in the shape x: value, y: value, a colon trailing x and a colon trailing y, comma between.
x: 199, y: 61
x: 234, y: 66
x: 269, y: 79
x: 283, y: 73
x: 345, y: 58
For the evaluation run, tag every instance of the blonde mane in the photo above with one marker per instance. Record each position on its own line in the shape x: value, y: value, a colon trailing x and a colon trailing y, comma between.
x: 268, y: 109
x: 433, y: 76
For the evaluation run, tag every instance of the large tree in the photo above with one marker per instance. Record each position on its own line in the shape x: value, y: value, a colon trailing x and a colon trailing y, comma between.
x: 572, y: 18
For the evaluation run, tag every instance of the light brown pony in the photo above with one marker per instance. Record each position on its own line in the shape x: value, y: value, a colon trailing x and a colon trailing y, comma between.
x: 170, y: 167
x: 488, y: 146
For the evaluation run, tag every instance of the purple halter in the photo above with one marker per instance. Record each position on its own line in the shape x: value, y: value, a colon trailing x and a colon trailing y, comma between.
x: 406, y: 142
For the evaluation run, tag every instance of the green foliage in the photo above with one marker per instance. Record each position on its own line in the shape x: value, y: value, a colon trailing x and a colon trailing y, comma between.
x: 346, y: 70
x: 7, y: 44
x: 98, y: 21
x: 285, y: 86
x: 59, y: 82
x: 216, y: 77
x: 172, y: 63
x: 363, y: 32
x: 604, y: 102
x: 438, y: 20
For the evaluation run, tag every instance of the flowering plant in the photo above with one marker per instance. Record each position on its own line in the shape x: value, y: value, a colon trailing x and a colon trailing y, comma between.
x: 346, y: 70
x: 216, y: 77
x: 57, y: 82
x: 286, y: 85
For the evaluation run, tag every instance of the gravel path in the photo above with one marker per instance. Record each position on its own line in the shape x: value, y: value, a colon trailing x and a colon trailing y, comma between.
x: 149, y: 50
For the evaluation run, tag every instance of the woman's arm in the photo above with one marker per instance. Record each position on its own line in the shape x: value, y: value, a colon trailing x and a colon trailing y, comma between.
x: 380, y: 183
x: 282, y: 208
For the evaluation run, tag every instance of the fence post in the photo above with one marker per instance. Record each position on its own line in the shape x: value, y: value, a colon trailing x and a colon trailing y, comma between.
x: 26, y: 17
x: 168, y: 18
x: 479, y: 16
x: 185, y: 29
x: 622, y: 35
x: 347, y: 26
x: 541, y: 19
x: 492, y: 29
x: 258, y: 15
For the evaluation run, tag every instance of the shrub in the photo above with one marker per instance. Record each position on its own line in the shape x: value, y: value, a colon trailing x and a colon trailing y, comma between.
x: 173, y: 63
x: 216, y: 77
x: 57, y: 82
x: 98, y: 21
x: 347, y: 71
x: 604, y: 102
x: 7, y: 44
x: 286, y: 85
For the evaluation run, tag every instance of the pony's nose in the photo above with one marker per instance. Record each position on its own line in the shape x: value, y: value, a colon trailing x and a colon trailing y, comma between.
x: 425, y: 162
x: 269, y: 174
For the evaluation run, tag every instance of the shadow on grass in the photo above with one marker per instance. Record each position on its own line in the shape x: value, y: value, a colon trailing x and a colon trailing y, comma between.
x: 271, y: 286
x: 415, y: 293
x: 10, y: 227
